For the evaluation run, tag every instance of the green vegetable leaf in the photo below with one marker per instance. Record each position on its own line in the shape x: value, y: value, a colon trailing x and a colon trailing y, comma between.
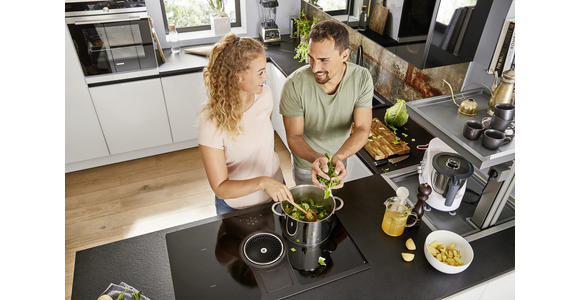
x: 395, y: 142
x: 321, y: 261
x: 404, y: 134
x: 292, y: 249
x: 396, y: 115
x: 120, y: 297
x: 412, y: 140
x: 137, y: 296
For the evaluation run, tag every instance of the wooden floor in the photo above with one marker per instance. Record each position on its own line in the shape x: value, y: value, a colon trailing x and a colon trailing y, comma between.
x: 127, y: 199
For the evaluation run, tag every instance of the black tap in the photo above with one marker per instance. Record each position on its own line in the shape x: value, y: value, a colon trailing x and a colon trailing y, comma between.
x: 359, y: 55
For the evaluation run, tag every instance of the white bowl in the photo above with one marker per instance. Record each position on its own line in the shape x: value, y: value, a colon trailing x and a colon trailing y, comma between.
x: 447, y: 237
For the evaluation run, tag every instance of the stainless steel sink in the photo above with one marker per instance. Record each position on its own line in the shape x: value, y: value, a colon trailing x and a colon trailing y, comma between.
x: 460, y: 222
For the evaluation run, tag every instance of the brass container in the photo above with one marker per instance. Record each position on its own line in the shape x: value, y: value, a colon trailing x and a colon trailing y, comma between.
x: 502, y: 93
x: 467, y: 107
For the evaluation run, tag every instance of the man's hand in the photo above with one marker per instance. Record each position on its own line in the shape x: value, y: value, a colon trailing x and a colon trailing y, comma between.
x: 319, y: 168
x: 340, y: 171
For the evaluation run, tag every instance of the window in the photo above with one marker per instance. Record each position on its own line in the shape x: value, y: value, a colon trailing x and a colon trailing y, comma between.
x: 332, y: 4
x: 193, y: 15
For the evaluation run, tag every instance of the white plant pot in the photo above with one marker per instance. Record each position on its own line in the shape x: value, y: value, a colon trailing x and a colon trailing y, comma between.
x: 220, y: 25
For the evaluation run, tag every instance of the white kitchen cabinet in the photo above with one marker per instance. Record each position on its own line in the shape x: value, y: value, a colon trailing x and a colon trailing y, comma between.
x: 499, y: 288
x: 356, y: 169
x: 276, y: 81
x: 83, y: 136
x: 132, y: 115
x: 185, y: 95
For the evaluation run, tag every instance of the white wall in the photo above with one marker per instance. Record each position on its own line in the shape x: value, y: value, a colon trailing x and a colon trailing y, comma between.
x: 250, y: 20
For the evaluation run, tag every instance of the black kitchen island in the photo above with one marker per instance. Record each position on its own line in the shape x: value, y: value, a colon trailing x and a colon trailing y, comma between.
x: 144, y: 263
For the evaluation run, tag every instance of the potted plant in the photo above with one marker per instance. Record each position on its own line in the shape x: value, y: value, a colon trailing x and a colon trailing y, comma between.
x: 219, y: 20
x: 303, y: 26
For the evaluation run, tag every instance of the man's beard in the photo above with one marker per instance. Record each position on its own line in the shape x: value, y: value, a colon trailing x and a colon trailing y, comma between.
x: 323, y: 80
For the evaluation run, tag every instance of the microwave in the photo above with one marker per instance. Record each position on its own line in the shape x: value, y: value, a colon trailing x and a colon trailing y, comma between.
x: 112, y: 38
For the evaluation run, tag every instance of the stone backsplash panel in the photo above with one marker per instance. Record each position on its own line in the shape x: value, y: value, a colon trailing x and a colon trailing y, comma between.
x: 392, y: 76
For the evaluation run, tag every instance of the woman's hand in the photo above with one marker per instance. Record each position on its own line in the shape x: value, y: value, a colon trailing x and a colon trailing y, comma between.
x: 275, y: 189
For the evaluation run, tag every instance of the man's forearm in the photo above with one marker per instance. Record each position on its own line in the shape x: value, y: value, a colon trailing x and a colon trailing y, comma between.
x: 299, y: 147
x: 353, y: 144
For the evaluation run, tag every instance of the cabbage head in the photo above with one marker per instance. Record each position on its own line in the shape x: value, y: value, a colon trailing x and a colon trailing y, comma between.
x: 396, y: 115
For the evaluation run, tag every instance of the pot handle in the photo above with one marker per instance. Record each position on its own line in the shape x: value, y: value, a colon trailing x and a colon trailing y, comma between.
x: 341, y: 203
x: 274, y: 209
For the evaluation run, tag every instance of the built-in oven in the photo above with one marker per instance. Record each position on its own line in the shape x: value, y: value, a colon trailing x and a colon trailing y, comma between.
x: 112, y: 38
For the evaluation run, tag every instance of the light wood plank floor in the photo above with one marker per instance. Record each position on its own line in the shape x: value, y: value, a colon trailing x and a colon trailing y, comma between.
x: 115, y: 202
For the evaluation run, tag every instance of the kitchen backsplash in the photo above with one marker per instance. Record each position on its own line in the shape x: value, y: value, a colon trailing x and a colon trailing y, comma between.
x: 392, y: 76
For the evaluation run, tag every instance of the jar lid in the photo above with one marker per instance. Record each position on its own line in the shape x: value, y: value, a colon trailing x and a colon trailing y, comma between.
x: 171, y: 27
x: 452, y: 165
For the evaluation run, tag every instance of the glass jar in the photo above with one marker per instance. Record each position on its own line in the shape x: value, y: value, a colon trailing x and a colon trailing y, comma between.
x: 173, y: 40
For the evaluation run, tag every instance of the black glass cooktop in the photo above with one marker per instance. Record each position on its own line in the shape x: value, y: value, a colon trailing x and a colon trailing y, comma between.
x: 206, y: 263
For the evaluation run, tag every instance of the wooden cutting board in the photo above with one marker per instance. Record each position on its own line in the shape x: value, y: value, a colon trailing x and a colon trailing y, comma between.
x: 380, y: 144
x: 199, y: 50
x: 378, y: 18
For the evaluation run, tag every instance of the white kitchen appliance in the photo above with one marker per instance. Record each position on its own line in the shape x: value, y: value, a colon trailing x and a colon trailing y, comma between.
x: 446, y: 172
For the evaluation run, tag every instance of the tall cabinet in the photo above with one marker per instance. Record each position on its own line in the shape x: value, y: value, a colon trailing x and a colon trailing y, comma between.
x: 83, y: 136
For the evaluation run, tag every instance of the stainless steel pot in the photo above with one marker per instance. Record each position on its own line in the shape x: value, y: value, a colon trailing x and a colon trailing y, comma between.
x: 450, y: 172
x: 308, y: 233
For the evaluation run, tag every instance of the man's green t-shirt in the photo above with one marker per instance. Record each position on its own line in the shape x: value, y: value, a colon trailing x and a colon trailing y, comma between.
x: 327, y: 118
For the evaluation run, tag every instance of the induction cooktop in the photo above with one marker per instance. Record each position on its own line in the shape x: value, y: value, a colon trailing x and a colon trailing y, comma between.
x: 206, y: 262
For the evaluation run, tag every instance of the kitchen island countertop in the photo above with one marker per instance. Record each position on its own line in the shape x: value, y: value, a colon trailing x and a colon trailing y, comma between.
x: 143, y: 262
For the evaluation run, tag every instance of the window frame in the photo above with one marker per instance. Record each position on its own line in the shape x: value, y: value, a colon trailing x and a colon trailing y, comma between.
x: 238, y: 22
x: 339, y: 12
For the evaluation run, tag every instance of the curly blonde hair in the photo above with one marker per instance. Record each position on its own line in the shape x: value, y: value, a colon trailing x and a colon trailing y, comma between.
x: 228, y: 58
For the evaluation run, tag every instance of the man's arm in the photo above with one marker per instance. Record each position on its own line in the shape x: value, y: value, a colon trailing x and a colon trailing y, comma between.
x: 294, y: 135
x: 357, y: 140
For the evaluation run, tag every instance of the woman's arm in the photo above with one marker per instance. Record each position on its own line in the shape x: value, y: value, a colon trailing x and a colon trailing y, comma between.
x: 214, y: 162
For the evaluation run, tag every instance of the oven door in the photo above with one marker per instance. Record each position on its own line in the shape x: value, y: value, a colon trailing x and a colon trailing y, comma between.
x: 113, y: 45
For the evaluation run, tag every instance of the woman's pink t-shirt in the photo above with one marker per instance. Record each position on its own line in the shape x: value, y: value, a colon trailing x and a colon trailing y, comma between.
x: 250, y: 154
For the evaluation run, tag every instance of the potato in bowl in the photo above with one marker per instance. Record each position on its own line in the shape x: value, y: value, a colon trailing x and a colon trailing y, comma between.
x: 448, y: 252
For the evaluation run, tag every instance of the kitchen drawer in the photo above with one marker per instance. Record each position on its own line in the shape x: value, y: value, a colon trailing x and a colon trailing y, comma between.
x: 132, y: 115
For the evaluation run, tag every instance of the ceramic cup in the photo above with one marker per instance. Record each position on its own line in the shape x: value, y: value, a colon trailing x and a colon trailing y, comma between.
x: 499, y: 123
x: 472, y: 129
x: 492, y: 139
x: 505, y: 111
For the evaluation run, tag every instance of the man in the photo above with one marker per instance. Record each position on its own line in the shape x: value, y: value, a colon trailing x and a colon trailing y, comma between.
x: 319, y: 103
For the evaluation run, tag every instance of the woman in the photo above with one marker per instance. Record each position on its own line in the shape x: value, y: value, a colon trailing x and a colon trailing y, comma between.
x: 236, y: 137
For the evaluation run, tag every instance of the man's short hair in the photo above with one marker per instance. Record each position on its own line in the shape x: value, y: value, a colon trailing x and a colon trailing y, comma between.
x: 330, y: 29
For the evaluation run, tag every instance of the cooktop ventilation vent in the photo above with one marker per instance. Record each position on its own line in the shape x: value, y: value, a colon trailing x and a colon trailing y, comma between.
x: 262, y: 249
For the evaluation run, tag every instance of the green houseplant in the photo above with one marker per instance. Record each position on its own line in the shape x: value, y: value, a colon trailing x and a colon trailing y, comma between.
x: 219, y: 20
x: 218, y: 6
x: 303, y: 26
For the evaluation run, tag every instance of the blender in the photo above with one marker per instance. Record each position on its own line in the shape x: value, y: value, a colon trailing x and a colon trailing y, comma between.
x: 269, y: 31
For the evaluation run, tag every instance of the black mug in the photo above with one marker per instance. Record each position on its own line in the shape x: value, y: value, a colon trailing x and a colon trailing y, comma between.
x: 499, y: 123
x: 472, y: 129
x: 505, y: 111
x: 492, y: 139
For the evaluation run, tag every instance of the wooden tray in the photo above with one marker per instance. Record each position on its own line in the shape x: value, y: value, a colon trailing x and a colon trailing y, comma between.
x: 383, y: 143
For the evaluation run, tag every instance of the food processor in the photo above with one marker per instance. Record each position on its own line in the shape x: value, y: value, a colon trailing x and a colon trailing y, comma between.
x: 446, y: 172
x: 269, y: 31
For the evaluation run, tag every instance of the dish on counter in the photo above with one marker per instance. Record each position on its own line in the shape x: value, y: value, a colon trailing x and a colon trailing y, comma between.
x: 448, y: 237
